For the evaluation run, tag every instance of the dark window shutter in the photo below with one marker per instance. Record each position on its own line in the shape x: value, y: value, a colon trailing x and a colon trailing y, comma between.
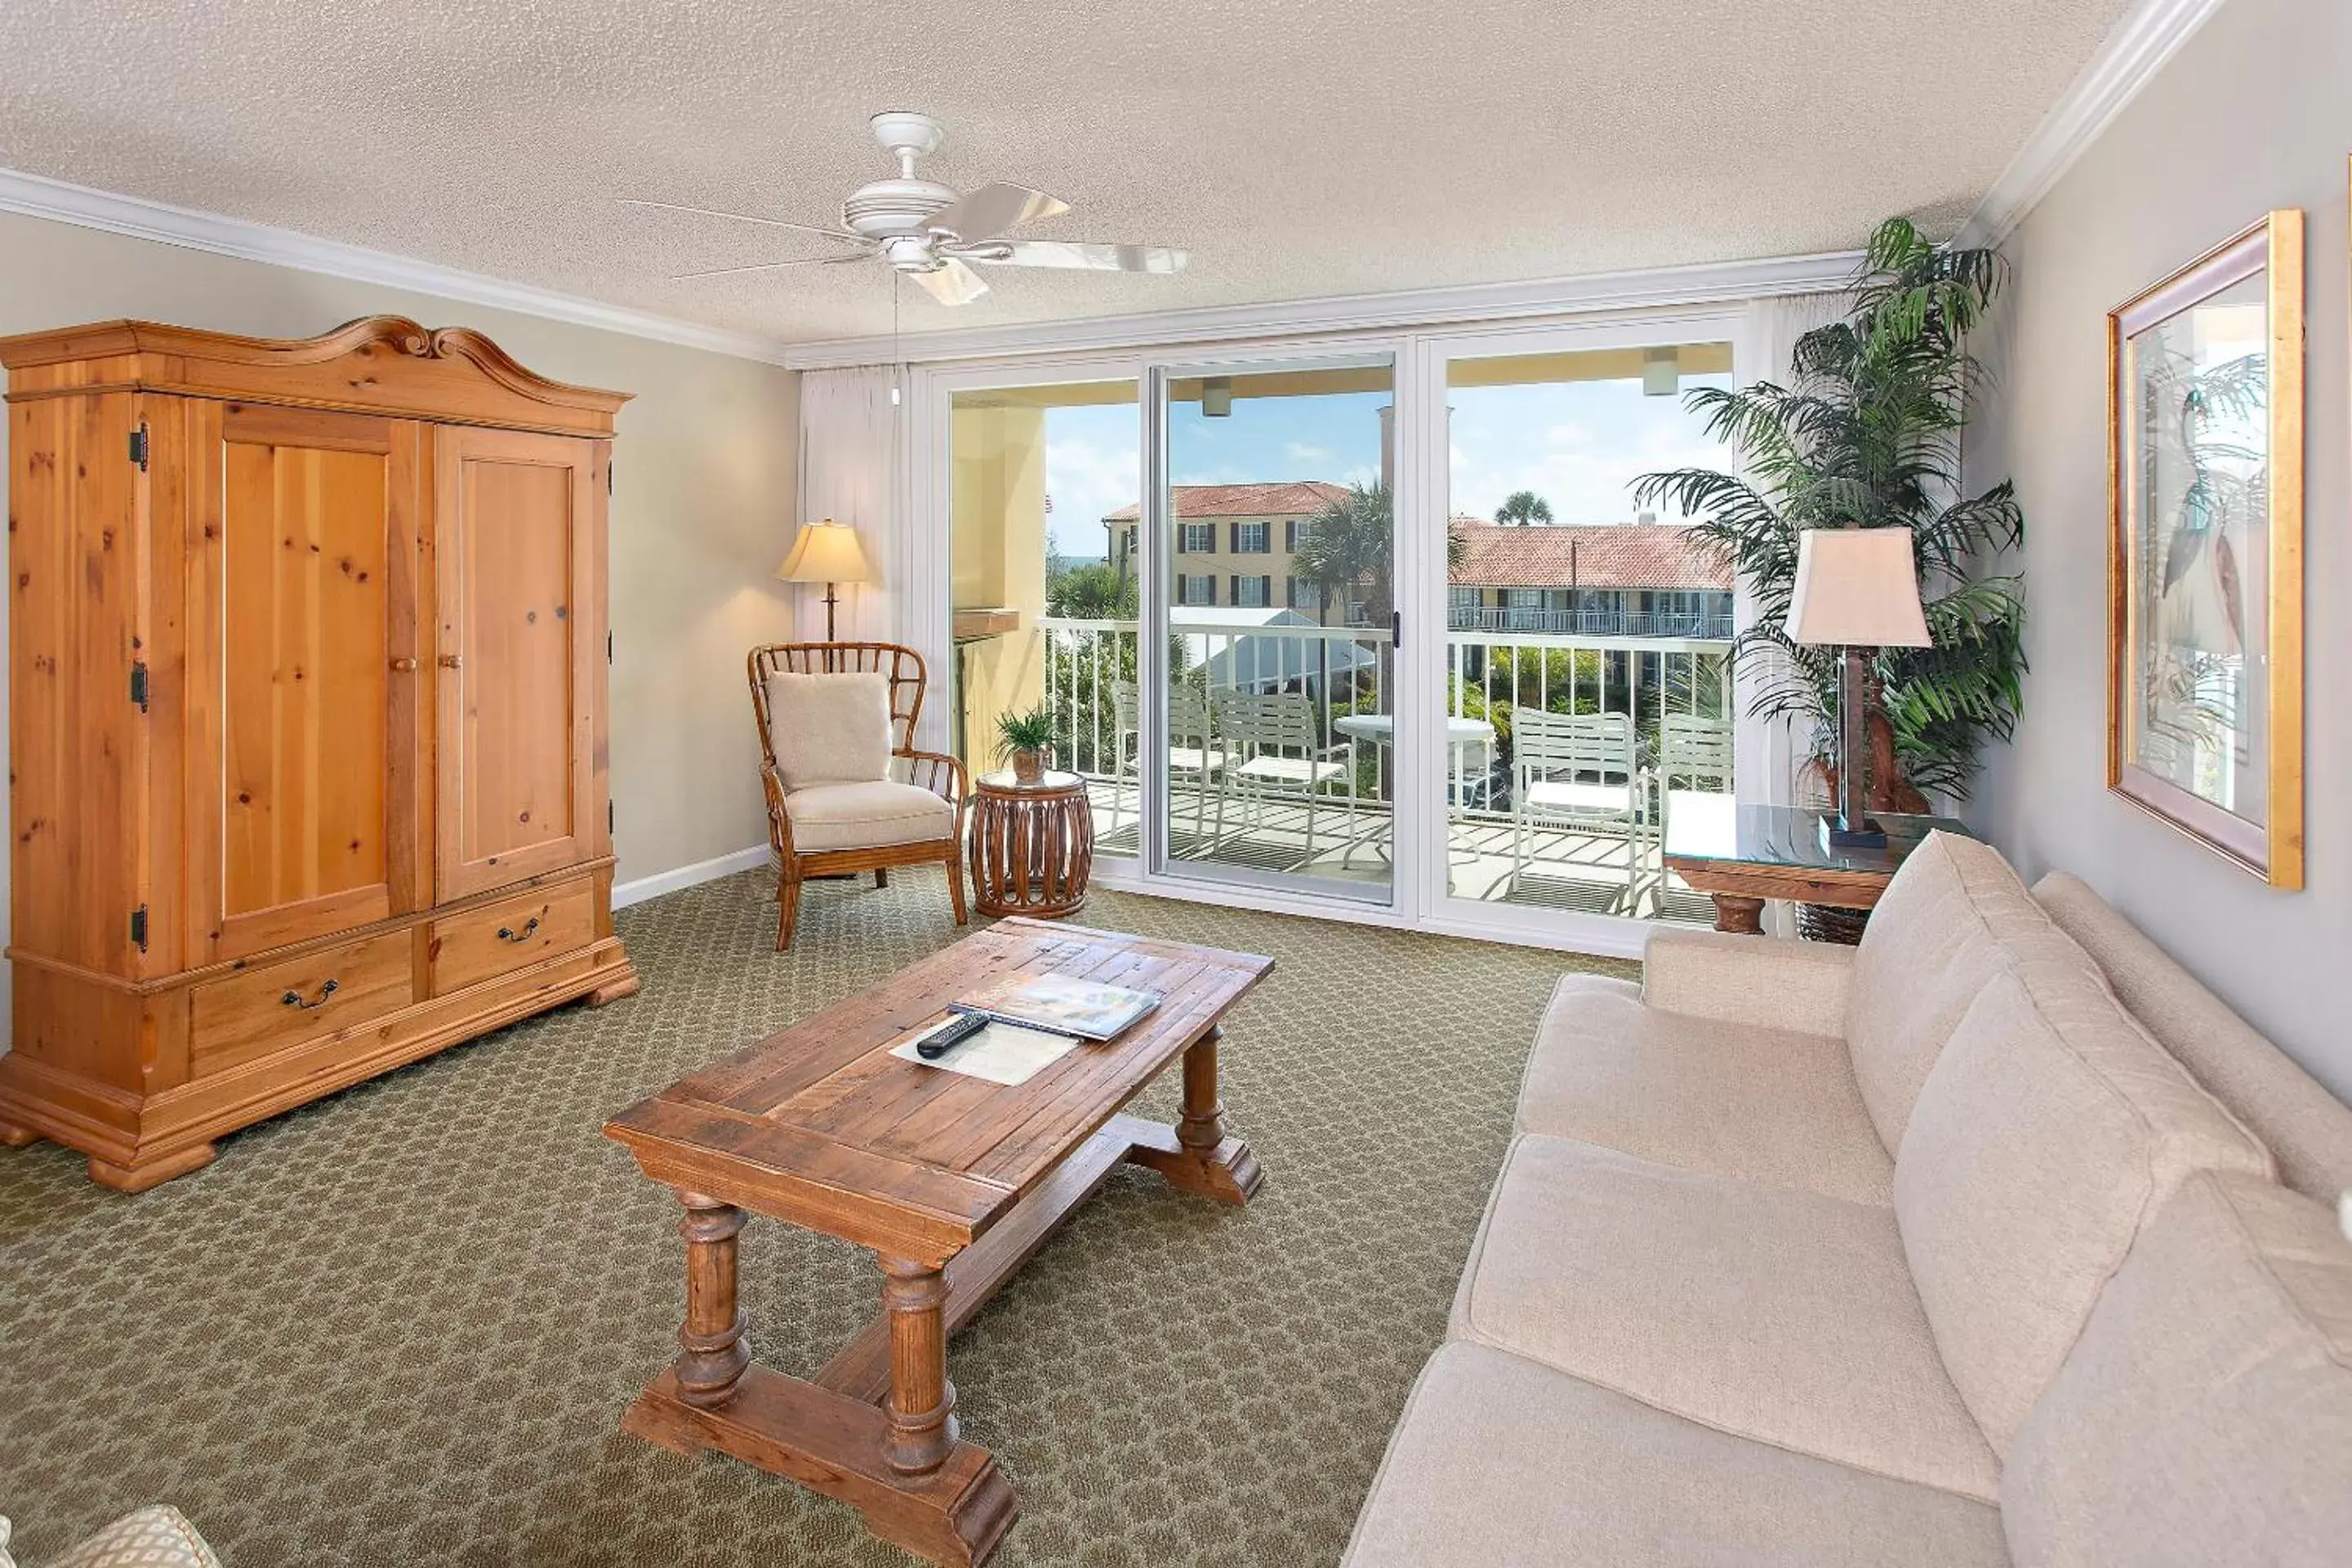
x: 1180, y: 539
x: 1233, y: 593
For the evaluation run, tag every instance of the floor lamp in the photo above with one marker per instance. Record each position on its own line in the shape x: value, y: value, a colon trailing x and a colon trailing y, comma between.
x: 1857, y: 588
x: 827, y: 552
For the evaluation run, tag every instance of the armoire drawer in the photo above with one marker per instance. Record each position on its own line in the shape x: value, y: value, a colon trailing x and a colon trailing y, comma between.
x: 482, y: 944
x: 266, y: 1009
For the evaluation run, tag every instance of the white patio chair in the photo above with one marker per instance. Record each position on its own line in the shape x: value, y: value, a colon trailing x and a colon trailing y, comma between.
x: 1192, y: 745
x: 1276, y: 754
x: 1695, y: 749
x: 1575, y: 771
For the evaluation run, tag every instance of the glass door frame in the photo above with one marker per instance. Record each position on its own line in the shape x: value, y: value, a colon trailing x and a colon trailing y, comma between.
x: 1422, y: 574
x: 1154, y: 549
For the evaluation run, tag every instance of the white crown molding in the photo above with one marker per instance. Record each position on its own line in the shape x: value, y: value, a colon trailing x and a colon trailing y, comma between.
x: 1710, y: 283
x: 2127, y: 61
x: 36, y: 196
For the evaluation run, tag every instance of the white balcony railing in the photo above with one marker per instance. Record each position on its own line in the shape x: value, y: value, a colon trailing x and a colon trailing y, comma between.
x: 1591, y: 623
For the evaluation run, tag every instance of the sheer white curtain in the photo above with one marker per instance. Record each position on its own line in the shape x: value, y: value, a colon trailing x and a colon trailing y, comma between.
x: 1770, y: 751
x: 852, y: 459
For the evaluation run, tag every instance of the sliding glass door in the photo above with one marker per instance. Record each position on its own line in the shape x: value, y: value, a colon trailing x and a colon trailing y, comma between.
x: 1271, y: 537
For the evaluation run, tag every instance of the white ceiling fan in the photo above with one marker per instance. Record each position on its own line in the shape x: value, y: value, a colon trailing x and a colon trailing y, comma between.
x: 930, y: 233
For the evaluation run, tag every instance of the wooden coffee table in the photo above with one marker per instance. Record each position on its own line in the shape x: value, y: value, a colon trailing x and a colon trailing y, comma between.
x: 953, y: 1181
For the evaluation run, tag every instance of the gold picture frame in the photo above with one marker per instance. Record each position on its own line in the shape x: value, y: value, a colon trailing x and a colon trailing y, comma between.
x: 2205, y: 548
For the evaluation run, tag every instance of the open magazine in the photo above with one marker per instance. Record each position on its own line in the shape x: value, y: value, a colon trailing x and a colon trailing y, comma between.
x: 1061, y: 1005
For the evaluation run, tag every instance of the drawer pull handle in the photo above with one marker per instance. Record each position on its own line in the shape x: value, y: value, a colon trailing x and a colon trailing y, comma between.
x: 452, y: 661
x: 403, y: 665
x: 294, y: 998
x: 523, y: 935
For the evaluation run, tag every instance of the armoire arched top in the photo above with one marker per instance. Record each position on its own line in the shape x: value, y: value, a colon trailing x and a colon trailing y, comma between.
x: 380, y: 364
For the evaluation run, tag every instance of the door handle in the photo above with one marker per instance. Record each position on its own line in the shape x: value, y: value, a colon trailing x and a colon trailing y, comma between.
x: 452, y: 661
x: 523, y: 935
x: 1396, y: 628
x: 294, y: 998
x: 403, y: 665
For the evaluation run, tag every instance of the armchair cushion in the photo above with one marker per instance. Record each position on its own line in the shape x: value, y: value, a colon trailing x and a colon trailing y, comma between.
x: 829, y: 729
x: 865, y: 816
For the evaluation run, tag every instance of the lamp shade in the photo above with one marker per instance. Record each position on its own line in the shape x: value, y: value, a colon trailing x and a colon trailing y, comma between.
x: 826, y: 552
x: 1856, y: 587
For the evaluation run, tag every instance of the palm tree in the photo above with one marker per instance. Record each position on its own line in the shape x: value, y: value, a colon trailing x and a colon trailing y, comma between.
x: 1867, y: 435
x: 1347, y: 546
x: 1522, y: 507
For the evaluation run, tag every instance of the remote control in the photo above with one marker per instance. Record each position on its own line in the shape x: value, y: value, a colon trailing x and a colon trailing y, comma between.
x: 940, y: 1042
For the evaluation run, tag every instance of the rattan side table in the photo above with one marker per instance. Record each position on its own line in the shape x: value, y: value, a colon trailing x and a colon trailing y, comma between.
x: 1032, y: 844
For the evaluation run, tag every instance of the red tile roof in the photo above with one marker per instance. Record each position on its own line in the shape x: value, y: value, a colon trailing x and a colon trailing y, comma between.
x: 1632, y: 555
x: 1285, y: 498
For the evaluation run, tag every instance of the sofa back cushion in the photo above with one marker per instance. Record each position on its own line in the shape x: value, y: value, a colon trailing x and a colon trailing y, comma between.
x: 1943, y: 929
x: 829, y: 729
x: 2048, y: 1133
x: 2206, y: 1415
x: 2309, y: 1129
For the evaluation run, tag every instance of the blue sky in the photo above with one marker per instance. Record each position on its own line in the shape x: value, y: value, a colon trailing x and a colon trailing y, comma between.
x: 1576, y: 444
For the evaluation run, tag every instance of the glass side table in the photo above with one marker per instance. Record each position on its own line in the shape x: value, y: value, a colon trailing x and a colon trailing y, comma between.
x: 1742, y: 855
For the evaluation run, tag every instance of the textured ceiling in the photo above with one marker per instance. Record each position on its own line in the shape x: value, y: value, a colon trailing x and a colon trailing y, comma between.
x: 1297, y: 147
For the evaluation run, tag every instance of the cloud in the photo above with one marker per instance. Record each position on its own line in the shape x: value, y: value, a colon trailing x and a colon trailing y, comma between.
x: 1300, y: 452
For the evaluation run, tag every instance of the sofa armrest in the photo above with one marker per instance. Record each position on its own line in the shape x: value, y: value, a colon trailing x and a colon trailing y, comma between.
x: 1762, y: 981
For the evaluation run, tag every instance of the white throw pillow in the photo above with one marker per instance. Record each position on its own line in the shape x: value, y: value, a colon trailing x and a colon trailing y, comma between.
x: 829, y: 729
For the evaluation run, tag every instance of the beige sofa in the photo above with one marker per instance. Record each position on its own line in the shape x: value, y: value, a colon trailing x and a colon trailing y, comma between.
x: 1997, y: 1240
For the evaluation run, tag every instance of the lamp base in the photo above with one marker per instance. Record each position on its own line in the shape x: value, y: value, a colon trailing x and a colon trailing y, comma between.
x: 1839, y: 833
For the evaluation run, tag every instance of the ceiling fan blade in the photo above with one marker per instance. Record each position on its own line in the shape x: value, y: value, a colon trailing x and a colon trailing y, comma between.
x: 951, y: 283
x: 746, y: 217
x: 1094, y: 258
x: 768, y: 265
x: 990, y: 210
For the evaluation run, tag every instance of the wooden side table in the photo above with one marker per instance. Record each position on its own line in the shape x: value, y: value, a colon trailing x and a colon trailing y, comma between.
x: 1032, y: 844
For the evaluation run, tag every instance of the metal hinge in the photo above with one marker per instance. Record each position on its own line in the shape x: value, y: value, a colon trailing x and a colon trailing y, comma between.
x: 612, y: 817
x: 608, y: 478
x: 608, y: 648
x: 139, y: 445
x: 139, y: 683
x: 139, y: 928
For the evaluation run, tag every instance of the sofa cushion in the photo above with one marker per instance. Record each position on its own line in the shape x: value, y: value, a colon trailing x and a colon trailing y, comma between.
x: 2049, y: 1133
x: 1782, y: 1316
x: 1953, y: 915
x: 2306, y: 1128
x: 2206, y: 1415
x: 1499, y: 1463
x: 1734, y: 1101
x: 865, y: 816
x: 829, y: 729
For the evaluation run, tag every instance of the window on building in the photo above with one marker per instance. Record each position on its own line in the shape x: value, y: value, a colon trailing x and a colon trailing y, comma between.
x: 1197, y: 538
x: 1523, y: 598
x: 1301, y: 594
x: 1196, y: 590
x: 1251, y: 539
x: 1252, y: 593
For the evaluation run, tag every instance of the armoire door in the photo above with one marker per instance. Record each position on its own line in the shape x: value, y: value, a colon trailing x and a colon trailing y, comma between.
x: 518, y: 530
x: 303, y: 721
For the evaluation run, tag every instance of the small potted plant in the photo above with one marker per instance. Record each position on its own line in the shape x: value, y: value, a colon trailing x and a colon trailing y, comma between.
x: 1024, y: 739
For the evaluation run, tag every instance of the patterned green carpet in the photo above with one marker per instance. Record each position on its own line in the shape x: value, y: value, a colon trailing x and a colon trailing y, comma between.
x: 399, y: 1327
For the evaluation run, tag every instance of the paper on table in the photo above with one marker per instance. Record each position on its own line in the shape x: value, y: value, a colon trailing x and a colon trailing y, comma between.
x: 1001, y: 1053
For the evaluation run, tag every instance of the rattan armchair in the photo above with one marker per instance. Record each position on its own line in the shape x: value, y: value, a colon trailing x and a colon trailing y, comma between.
x: 941, y: 775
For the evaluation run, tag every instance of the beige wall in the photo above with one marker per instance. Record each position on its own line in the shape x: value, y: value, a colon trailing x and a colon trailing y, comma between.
x: 997, y: 533
x: 702, y: 503
x: 2255, y: 112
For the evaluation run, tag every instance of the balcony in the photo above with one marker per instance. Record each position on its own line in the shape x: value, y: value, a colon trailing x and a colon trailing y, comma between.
x: 1496, y: 851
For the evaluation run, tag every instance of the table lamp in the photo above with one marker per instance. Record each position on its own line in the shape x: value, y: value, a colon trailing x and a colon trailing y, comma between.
x: 827, y: 552
x: 1856, y: 589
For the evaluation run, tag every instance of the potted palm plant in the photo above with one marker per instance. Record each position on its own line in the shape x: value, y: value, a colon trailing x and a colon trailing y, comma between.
x: 1867, y: 435
x: 1025, y: 740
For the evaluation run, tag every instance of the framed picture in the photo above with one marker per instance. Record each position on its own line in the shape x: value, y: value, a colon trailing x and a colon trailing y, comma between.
x: 2205, y: 550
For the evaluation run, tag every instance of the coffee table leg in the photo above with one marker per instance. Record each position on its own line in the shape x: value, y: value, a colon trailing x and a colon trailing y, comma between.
x: 1199, y: 1157
x: 921, y: 1406
x: 1739, y: 915
x: 712, y: 1352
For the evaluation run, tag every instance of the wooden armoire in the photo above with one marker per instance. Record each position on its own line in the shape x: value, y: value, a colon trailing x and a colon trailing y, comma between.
x: 307, y: 720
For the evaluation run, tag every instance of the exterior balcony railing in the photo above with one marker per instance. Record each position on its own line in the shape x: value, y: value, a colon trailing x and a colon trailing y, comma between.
x: 1347, y: 676
x: 1591, y: 623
